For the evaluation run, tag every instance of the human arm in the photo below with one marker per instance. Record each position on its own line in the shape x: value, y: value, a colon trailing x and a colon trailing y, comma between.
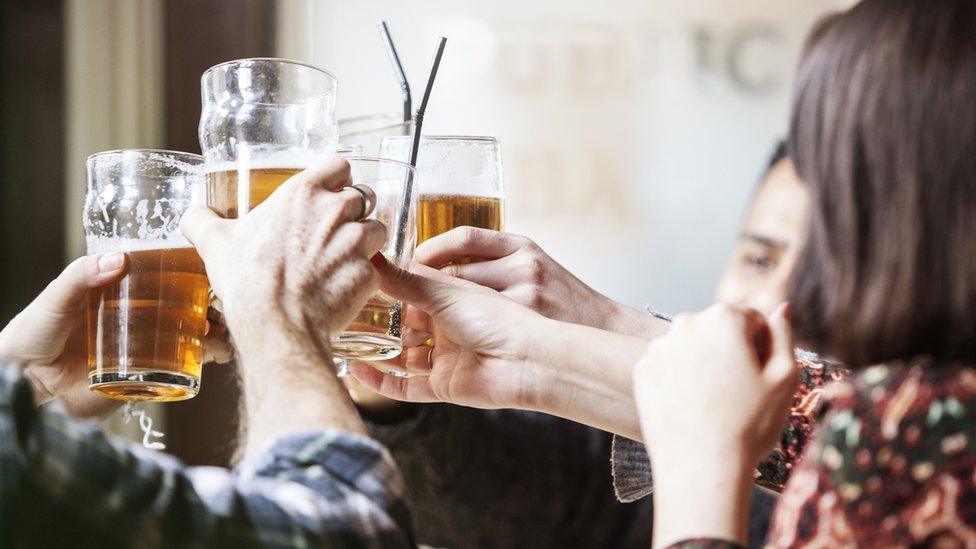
x: 491, y: 352
x: 60, y: 479
x: 289, y: 274
x: 682, y: 390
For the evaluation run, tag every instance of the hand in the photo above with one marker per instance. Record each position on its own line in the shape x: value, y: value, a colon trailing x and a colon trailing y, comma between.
x: 713, y: 396
x: 298, y: 260
x: 49, y: 337
x: 519, y: 269
x: 290, y: 273
x: 482, y: 343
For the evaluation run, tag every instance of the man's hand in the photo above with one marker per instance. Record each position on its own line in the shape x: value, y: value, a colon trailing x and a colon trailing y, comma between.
x: 290, y: 273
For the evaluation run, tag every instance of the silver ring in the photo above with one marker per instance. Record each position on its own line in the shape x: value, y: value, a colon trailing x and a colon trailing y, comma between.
x: 369, y: 199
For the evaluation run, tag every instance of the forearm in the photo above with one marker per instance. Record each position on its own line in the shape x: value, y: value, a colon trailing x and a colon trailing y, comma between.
x: 279, y: 370
x: 587, y: 376
x: 625, y: 320
x: 702, y: 501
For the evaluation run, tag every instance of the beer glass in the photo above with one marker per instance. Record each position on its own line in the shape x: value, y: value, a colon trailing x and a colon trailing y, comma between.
x: 145, y: 332
x: 375, y: 333
x: 263, y: 120
x: 460, y: 181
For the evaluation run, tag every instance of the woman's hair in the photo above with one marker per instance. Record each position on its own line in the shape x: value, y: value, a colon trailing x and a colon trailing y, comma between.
x: 883, y: 131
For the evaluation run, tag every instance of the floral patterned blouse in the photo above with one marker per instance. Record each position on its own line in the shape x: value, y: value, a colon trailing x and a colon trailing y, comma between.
x: 892, y: 464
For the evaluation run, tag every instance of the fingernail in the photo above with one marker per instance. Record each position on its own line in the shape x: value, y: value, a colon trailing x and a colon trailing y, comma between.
x: 786, y: 311
x: 379, y: 260
x: 111, y: 262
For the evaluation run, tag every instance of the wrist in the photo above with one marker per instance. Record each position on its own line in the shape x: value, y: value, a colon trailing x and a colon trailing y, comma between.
x: 584, y: 374
x: 701, y: 498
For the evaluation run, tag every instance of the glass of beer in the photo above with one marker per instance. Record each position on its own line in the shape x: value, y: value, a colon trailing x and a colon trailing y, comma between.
x: 460, y: 181
x: 375, y: 333
x: 145, y: 332
x: 263, y: 120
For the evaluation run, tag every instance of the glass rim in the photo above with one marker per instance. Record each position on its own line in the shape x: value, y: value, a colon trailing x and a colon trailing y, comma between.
x: 167, y: 152
x: 386, y: 121
x: 279, y: 60
x: 471, y: 138
x: 378, y: 159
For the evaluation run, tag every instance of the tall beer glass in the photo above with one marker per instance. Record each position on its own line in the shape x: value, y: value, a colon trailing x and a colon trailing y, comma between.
x: 460, y: 181
x: 145, y: 332
x: 375, y: 334
x: 263, y: 121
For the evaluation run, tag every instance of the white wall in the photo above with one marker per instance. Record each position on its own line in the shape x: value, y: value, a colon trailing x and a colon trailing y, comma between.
x: 632, y: 131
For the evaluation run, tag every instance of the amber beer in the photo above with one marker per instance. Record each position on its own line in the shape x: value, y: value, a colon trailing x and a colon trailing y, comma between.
x: 439, y: 213
x: 145, y: 331
x: 223, y: 187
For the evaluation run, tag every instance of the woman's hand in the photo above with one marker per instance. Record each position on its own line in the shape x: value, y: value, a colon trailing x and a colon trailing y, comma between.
x: 49, y: 337
x: 481, y: 356
x: 713, y: 396
x: 491, y: 352
x: 519, y: 269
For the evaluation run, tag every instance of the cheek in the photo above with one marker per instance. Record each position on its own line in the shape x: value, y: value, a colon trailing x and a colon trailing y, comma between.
x: 731, y: 288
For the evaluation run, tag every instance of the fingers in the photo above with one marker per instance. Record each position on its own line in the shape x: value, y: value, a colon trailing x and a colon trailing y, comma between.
x: 419, y: 290
x: 204, y: 229
x: 332, y: 173
x: 499, y: 274
x: 363, y: 239
x: 349, y: 203
x: 63, y: 296
x: 781, y: 365
x: 409, y: 389
x: 373, y: 239
x: 468, y: 242
x: 217, y: 346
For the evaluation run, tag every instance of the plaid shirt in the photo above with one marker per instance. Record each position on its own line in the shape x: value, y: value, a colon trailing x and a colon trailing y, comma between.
x: 66, y: 484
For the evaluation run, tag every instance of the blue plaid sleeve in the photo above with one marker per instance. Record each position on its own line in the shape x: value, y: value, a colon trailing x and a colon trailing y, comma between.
x: 65, y: 483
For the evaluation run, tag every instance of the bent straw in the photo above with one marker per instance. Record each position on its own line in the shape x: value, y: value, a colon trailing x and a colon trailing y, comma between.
x: 415, y: 145
x: 398, y: 69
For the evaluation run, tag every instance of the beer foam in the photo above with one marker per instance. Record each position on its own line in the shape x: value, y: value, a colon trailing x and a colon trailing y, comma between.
x: 277, y: 161
x: 98, y: 245
x: 449, y: 188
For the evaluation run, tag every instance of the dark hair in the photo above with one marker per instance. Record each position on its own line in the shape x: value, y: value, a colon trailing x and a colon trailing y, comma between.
x: 780, y: 152
x: 883, y: 131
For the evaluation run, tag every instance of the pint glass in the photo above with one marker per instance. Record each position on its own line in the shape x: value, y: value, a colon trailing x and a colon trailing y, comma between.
x: 460, y: 181
x: 145, y: 332
x: 375, y: 334
x: 263, y: 120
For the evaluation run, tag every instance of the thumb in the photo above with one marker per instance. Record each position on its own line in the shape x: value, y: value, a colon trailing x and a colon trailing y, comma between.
x: 203, y: 228
x: 42, y: 329
x: 63, y: 296
x: 781, y: 365
x: 417, y: 289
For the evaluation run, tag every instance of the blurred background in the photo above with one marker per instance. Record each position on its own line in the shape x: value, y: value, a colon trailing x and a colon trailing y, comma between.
x: 632, y: 131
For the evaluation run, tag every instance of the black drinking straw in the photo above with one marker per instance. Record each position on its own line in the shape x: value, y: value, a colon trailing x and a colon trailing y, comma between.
x: 398, y: 69
x: 415, y: 146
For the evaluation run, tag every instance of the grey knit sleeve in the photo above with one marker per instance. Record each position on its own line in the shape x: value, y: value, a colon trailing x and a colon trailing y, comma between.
x: 629, y: 464
x: 631, y: 469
